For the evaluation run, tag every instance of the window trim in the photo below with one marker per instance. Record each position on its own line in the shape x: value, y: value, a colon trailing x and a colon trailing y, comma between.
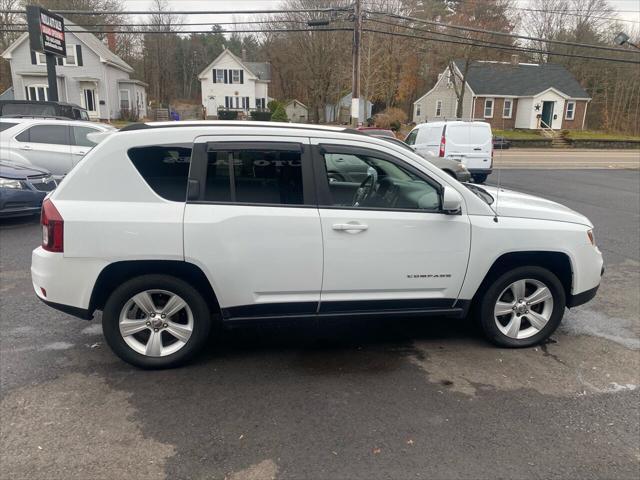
x: 484, y: 110
x: 322, y: 187
x: 219, y: 75
x: 75, y: 56
x: 573, y: 110
x: 120, y: 90
x: 233, y: 75
x: 438, y: 112
x: 199, y: 163
x: 37, y: 86
x: 510, y: 100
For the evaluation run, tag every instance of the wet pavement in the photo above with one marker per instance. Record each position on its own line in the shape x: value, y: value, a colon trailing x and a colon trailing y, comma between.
x: 366, y: 399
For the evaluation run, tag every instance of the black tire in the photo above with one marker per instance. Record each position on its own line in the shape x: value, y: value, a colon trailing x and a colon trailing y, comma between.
x: 122, y: 294
x: 488, y: 300
x: 479, y: 177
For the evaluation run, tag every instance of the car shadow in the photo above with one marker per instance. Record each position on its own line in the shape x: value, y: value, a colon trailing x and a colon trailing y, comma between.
x: 18, y: 222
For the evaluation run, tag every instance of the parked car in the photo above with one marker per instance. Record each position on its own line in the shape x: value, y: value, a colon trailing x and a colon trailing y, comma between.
x: 382, y: 132
x: 251, y: 227
x: 501, y: 143
x: 32, y: 108
x: 454, y: 168
x: 55, y: 145
x: 22, y: 189
x: 468, y: 142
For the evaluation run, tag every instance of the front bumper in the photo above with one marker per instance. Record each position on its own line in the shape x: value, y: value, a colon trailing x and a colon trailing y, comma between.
x: 480, y: 171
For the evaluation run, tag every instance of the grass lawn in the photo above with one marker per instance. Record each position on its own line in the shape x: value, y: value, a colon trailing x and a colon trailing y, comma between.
x: 593, y: 135
x: 519, y: 134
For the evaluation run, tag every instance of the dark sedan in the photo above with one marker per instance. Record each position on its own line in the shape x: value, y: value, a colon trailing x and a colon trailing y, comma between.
x: 22, y: 189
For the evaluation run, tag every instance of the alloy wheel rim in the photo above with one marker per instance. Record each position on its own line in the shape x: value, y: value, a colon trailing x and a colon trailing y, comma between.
x: 523, y: 308
x: 156, y: 323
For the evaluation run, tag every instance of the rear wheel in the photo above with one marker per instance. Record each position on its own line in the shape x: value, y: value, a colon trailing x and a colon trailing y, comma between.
x: 479, y: 177
x: 522, y: 307
x: 156, y: 321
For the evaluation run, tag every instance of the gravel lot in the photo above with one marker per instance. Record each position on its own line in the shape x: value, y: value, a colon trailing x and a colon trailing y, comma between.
x: 398, y: 399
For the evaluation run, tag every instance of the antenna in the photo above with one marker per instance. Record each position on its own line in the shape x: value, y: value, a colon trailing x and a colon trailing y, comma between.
x: 495, y: 210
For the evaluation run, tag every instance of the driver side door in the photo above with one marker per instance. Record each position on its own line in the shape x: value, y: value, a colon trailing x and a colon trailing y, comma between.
x: 386, y: 253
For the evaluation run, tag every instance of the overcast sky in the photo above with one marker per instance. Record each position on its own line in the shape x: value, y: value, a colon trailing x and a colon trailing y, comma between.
x: 628, y: 9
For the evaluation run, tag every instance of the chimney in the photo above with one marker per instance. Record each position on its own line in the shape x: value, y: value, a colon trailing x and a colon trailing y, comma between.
x: 111, y: 39
x: 244, y: 54
x: 515, y: 59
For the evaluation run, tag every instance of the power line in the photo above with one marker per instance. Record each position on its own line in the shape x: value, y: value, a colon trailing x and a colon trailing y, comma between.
x: 187, y: 12
x: 515, y: 49
x: 90, y: 25
x: 186, y: 32
x: 501, y: 34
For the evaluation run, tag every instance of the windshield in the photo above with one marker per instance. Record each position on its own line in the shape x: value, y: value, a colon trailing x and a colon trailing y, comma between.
x: 480, y: 193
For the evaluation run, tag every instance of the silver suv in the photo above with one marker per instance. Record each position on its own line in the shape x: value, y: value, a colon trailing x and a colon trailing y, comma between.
x: 55, y: 145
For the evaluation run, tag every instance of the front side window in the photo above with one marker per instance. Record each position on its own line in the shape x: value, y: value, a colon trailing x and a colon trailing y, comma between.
x: 80, y: 136
x: 365, y: 181
x: 254, y: 176
x: 508, y: 106
x: 6, y: 125
x: 488, y: 108
x: 411, y: 138
x: 571, y: 110
x: 165, y: 168
x: 438, y: 108
x: 51, y: 134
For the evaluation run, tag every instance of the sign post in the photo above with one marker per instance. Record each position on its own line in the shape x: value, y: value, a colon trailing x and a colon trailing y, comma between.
x: 46, y: 35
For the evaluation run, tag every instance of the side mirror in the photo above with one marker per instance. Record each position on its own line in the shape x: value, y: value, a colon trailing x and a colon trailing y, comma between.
x: 451, y: 201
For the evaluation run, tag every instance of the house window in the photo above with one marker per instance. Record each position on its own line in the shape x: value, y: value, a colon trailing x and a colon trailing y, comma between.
x: 235, y: 76
x: 37, y: 92
x: 219, y: 76
x: 488, y: 108
x: 438, y: 108
x: 70, y: 60
x: 41, y: 59
x: 571, y: 111
x: 260, y: 103
x: 508, y: 107
x: 125, y: 101
x: 418, y: 110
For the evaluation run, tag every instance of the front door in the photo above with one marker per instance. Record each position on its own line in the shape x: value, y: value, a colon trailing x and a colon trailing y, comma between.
x: 547, y: 114
x: 252, y: 225
x: 387, y: 246
x: 212, y: 107
x: 90, y: 101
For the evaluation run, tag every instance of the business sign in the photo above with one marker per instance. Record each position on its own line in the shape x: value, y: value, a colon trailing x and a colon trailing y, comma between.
x: 46, y: 31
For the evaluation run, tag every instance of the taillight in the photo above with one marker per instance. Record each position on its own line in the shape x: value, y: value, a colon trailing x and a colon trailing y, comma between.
x: 443, y: 143
x: 52, y: 227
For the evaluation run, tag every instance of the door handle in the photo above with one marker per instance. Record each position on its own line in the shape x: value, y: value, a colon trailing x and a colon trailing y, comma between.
x: 477, y: 149
x: 80, y: 153
x: 350, y: 227
x: 26, y: 147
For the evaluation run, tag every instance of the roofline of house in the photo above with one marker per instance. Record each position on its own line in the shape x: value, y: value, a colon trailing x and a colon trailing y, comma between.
x: 226, y: 50
x: 442, y: 75
x: 295, y: 100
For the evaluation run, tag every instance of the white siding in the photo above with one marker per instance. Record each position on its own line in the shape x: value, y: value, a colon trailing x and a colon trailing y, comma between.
x: 443, y: 92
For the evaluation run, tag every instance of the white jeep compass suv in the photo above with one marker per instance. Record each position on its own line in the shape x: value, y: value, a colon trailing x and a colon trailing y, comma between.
x: 167, y: 227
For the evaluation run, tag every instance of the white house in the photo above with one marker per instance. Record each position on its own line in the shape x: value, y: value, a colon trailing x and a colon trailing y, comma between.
x: 508, y: 95
x: 234, y: 84
x: 91, y: 76
x: 297, y: 111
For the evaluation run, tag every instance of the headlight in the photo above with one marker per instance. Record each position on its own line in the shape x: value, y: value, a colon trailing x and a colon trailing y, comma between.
x: 591, y: 237
x: 10, y: 183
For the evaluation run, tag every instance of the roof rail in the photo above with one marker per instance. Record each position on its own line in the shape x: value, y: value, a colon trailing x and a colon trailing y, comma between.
x: 233, y: 123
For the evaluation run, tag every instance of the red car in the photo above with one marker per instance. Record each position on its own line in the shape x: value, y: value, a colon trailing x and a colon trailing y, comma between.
x: 377, y: 131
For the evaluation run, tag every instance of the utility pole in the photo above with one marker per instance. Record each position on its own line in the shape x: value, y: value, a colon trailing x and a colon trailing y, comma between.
x: 52, y: 79
x: 355, y: 85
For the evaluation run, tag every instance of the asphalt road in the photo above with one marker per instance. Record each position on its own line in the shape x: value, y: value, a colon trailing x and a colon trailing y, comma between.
x: 396, y: 399
x: 570, y: 158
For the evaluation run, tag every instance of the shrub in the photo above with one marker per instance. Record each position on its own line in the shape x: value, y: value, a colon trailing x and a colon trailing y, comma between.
x: 260, y: 116
x: 273, y: 105
x: 130, y: 115
x: 381, y: 120
x: 227, y: 115
x: 280, y: 115
x: 396, y: 115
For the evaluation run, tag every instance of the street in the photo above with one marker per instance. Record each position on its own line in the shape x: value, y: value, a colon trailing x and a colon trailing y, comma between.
x: 359, y: 399
x: 558, y: 158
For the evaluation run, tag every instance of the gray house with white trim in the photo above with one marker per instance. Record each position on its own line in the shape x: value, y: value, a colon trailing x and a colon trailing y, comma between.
x: 91, y: 76
x: 508, y: 95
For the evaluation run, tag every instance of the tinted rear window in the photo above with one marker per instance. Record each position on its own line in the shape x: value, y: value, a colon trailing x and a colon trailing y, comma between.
x: 52, y: 134
x: 6, y: 125
x: 165, y: 168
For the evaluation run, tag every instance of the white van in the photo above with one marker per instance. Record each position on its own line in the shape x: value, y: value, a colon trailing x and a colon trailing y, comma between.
x: 467, y: 142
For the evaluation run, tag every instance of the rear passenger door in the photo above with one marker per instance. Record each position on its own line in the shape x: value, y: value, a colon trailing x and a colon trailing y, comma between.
x: 252, y: 224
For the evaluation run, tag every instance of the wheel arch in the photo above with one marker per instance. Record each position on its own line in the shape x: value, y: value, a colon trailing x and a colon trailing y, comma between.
x: 116, y: 273
x: 558, y: 263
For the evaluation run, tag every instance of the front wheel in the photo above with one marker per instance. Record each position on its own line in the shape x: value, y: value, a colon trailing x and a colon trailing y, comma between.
x: 522, y: 307
x: 156, y: 321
